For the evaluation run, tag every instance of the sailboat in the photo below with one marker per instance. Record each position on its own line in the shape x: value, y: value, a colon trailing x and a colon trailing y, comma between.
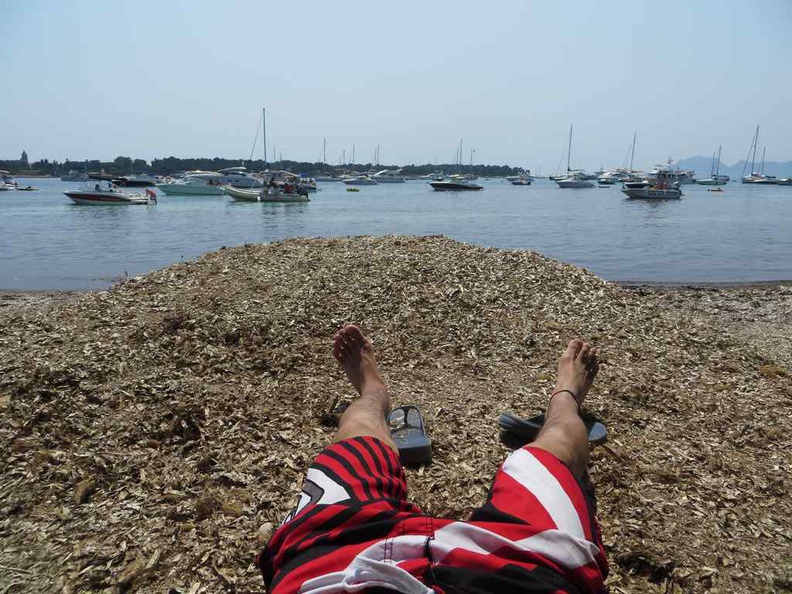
x: 575, y: 178
x: 761, y: 178
x: 715, y: 179
x: 755, y: 177
x: 622, y: 174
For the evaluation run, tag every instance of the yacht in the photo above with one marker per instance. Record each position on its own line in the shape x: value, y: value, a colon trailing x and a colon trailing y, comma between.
x: 360, y: 180
x: 679, y: 175
x: 75, y: 176
x: 210, y: 183
x: 389, y: 176
x: 139, y: 180
x: 455, y: 183
x: 662, y: 186
x: 575, y: 179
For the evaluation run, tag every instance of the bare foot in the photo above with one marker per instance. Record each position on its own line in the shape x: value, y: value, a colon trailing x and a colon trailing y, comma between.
x: 577, y: 369
x: 355, y: 353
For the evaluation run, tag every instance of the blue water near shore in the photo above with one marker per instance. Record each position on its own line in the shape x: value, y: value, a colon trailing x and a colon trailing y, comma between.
x: 743, y: 234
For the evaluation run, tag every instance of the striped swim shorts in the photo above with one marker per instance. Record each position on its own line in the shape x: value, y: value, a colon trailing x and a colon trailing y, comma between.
x: 354, y: 530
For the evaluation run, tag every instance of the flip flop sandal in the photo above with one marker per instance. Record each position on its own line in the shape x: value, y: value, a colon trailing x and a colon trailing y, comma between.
x: 407, y: 430
x: 528, y: 429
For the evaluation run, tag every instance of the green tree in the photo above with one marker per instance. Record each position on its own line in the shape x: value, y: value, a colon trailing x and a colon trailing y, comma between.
x: 24, y: 159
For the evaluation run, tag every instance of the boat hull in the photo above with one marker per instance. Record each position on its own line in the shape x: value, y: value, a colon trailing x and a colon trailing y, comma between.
x: 190, y: 190
x: 653, y: 193
x: 106, y: 198
x: 454, y: 187
x: 240, y: 195
x: 574, y: 183
x: 710, y: 182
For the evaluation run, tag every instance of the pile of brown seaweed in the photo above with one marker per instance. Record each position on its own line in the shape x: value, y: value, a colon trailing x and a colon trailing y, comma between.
x: 155, y: 433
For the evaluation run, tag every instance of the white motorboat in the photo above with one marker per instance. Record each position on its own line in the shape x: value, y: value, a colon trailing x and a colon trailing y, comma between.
x: 210, y: 183
x: 75, y: 176
x: 524, y: 178
x: 7, y: 179
x: 389, y: 176
x: 521, y: 180
x: 4, y: 187
x: 784, y: 181
x: 108, y: 193
x: 268, y: 194
x: 360, y: 180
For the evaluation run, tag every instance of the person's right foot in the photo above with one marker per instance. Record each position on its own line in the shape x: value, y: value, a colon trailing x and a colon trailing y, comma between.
x: 355, y: 353
x: 577, y: 369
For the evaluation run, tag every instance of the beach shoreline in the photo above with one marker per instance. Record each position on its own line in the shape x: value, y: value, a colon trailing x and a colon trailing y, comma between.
x: 187, y: 403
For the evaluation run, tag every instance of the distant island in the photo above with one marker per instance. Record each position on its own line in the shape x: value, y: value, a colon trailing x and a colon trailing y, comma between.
x: 170, y: 165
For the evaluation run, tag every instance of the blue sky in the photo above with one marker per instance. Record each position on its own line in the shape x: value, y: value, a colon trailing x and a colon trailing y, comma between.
x: 86, y: 79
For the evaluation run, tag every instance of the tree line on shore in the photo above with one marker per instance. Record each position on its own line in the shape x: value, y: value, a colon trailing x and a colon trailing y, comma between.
x: 170, y: 165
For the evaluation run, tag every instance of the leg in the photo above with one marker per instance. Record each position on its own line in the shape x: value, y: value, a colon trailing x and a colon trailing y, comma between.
x: 367, y: 416
x: 564, y: 434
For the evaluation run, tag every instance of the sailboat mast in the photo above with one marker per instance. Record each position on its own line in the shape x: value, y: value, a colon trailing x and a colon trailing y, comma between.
x: 753, y: 157
x: 761, y: 167
x: 632, y: 153
x: 459, y: 157
x: 264, y: 132
x: 717, y: 163
x: 569, y: 149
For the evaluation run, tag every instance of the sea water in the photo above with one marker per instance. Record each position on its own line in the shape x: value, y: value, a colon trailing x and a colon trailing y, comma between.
x: 739, y: 235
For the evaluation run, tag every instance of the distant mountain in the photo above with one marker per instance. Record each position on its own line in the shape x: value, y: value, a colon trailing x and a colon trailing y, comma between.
x: 701, y: 165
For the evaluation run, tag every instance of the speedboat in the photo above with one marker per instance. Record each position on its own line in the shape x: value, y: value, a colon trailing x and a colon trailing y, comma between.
x: 524, y: 178
x: 455, y: 184
x: 784, y: 181
x: 520, y: 180
x: 108, y: 193
x: 389, y: 176
x: 210, y: 183
x: 7, y: 179
x: 268, y: 194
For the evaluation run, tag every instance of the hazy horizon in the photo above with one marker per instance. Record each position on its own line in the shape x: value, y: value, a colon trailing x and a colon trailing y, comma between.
x: 189, y: 79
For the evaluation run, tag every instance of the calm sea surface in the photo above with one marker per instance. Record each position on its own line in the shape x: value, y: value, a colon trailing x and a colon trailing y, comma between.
x: 742, y: 234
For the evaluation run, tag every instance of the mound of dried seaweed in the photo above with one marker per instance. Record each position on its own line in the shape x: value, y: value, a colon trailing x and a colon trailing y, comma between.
x: 155, y: 433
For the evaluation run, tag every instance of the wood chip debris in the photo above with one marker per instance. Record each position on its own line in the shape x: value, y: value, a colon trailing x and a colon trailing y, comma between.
x: 156, y: 433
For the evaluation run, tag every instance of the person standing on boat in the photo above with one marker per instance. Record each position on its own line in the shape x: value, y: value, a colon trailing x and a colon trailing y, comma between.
x: 354, y: 530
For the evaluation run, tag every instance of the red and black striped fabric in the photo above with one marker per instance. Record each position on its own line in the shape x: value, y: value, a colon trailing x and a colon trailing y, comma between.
x: 354, y: 530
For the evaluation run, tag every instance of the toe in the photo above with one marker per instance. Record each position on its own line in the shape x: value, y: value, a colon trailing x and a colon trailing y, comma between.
x: 573, y: 348
x: 354, y: 335
x: 584, y: 353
